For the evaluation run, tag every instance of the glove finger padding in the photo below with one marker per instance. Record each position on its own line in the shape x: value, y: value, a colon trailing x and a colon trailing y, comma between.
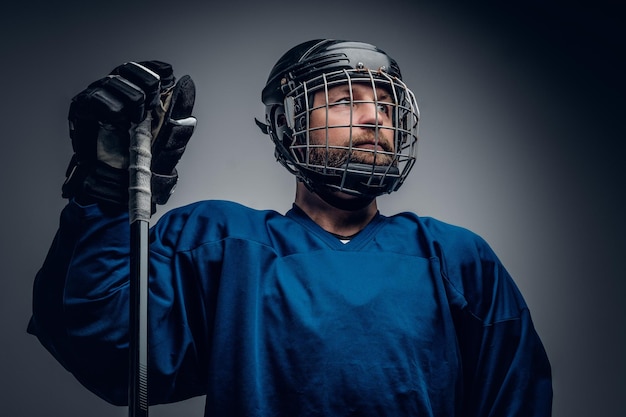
x: 170, y: 142
x: 153, y: 77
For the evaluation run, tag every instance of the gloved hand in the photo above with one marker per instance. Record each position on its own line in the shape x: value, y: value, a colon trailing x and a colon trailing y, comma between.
x: 101, y: 119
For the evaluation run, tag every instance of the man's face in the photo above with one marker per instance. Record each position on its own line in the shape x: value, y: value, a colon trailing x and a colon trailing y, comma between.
x: 358, y: 120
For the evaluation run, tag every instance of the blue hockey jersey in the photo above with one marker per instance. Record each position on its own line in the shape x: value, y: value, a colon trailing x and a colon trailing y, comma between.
x: 270, y: 315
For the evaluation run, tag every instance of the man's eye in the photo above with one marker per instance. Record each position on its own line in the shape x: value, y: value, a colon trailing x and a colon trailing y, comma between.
x: 384, y: 108
x: 343, y: 100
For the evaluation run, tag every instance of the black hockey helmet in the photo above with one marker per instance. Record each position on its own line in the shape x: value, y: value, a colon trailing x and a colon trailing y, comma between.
x: 314, y: 67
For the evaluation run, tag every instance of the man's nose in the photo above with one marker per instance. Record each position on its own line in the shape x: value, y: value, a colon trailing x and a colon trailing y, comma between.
x: 369, y: 113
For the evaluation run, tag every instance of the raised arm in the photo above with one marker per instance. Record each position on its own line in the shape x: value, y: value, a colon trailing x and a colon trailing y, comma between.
x: 81, y: 294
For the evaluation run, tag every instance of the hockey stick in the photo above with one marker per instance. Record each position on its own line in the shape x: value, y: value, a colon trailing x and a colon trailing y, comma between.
x: 140, y: 212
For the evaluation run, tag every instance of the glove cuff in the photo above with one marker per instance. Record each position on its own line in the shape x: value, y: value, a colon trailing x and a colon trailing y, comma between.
x: 100, y: 183
x: 96, y: 182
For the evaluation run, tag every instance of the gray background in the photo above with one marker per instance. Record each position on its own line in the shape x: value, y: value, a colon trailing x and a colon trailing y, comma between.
x: 521, y: 141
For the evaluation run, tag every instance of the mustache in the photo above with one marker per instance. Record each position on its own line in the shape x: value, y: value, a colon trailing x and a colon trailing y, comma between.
x: 371, y: 138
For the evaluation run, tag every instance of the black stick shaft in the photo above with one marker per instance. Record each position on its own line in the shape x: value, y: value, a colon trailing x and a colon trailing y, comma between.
x: 138, y: 361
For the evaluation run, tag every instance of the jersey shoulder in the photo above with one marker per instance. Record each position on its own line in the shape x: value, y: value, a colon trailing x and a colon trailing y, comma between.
x: 209, y: 221
x: 474, y: 275
x: 436, y: 235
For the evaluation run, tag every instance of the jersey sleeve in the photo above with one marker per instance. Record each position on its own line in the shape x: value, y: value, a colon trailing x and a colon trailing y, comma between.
x: 506, y: 371
x: 81, y: 308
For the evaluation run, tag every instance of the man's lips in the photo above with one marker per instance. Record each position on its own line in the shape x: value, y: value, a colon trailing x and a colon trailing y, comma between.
x: 371, y: 145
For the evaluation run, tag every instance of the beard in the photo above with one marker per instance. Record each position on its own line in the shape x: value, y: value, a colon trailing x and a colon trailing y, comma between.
x: 336, y: 157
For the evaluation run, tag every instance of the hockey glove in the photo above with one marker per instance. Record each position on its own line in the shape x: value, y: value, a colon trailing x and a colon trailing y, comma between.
x: 101, y: 118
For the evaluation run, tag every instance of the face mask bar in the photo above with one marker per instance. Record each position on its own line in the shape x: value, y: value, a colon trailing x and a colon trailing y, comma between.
x: 360, y: 156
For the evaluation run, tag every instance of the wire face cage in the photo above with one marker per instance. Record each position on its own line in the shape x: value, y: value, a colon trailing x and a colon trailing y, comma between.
x: 354, y: 130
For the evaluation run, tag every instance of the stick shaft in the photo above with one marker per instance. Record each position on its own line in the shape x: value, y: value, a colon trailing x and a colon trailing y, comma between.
x: 138, y: 360
x: 139, y: 212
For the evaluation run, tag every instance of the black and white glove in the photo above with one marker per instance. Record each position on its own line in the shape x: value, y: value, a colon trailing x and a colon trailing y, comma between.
x: 101, y: 119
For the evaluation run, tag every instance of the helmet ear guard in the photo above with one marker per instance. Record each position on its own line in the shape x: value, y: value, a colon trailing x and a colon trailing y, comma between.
x: 277, y: 127
x: 316, y: 67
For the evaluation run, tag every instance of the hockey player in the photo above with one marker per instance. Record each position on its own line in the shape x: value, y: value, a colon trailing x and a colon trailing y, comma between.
x: 332, y: 309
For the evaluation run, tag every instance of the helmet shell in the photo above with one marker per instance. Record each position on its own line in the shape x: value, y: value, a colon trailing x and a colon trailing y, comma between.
x: 314, y: 58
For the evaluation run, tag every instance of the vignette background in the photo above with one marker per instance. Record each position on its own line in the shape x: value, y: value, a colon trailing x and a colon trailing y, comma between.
x: 521, y: 141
